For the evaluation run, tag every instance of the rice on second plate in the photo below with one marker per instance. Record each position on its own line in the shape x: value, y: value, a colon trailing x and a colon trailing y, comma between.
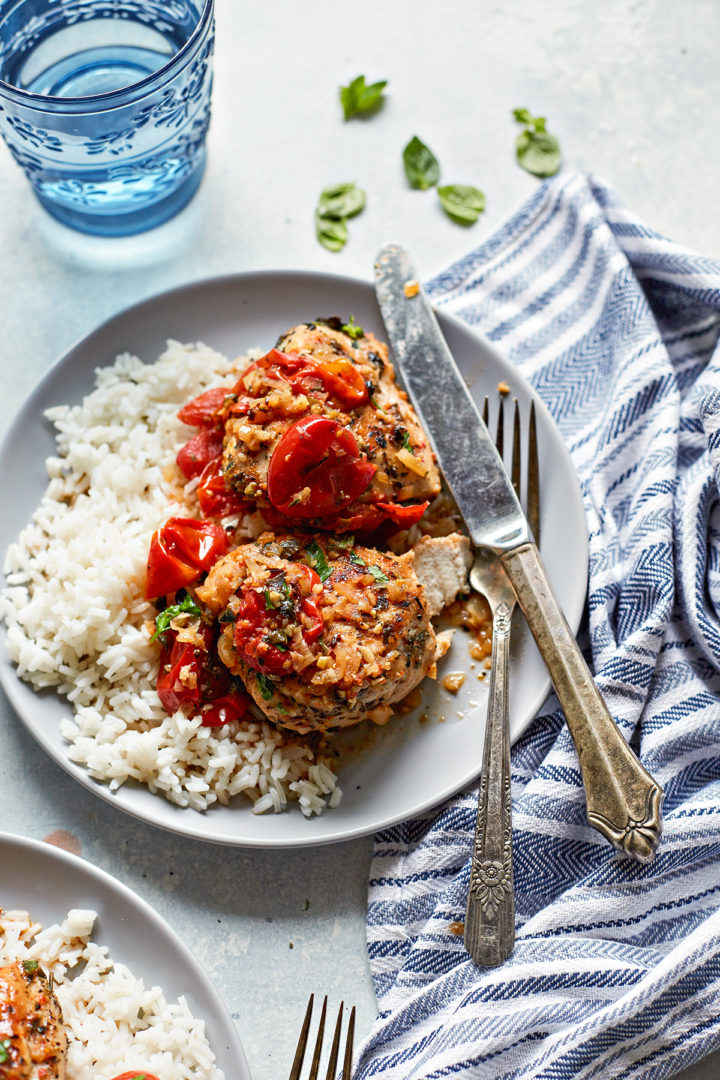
x: 113, y: 1021
x: 77, y: 619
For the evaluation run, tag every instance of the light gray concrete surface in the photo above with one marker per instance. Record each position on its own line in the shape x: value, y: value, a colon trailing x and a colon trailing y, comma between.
x: 629, y: 86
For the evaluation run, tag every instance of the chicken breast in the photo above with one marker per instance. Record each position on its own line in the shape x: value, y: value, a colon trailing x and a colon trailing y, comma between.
x: 318, y: 431
x: 323, y: 632
x: 33, y: 1044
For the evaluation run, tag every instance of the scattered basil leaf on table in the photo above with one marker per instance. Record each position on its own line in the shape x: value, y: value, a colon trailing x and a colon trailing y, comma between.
x: 341, y: 201
x: 462, y: 202
x: 537, y: 151
x: 357, y: 97
x: 422, y: 168
x: 335, y: 205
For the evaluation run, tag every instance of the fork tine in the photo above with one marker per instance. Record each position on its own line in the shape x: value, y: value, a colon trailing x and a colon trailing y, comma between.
x: 347, y: 1061
x: 332, y: 1063
x: 500, y: 430
x: 486, y: 411
x: 302, y: 1042
x: 516, y: 463
x: 315, y: 1065
x: 533, y: 496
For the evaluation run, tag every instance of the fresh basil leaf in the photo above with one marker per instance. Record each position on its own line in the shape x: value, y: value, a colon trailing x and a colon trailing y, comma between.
x: 331, y: 234
x: 462, y: 202
x: 341, y: 201
x: 266, y: 687
x: 406, y: 444
x: 269, y: 606
x: 30, y: 966
x: 378, y: 574
x: 357, y: 559
x: 352, y: 329
x: 422, y: 168
x: 5, y: 1045
x: 318, y: 561
x: 163, y: 620
x: 357, y: 97
x: 537, y: 151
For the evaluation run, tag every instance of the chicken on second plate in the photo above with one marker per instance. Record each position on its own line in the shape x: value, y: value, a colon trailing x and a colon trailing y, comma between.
x: 33, y: 1044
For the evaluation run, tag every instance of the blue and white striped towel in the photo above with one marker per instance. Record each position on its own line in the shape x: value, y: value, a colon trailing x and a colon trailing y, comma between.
x: 616, y: 969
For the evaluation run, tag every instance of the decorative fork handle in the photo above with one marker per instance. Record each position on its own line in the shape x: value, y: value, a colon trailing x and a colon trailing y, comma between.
x: 623, y: 801
x: 490, y: 914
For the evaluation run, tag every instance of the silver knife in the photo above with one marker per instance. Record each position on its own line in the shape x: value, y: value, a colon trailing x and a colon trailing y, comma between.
x: 623, y: 800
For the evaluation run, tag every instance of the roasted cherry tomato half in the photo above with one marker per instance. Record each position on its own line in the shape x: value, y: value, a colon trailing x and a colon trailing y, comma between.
x: 336, y: 376
x: 254, y: 627
x: 202, y: 410
x: 404, y: 515
x: 215, y: 498
x: 261, y: 625
x: 180, y: 551
x: 223, y: 710
x: 136, y: 1074
x: 316, y: 468
x: 202, y: 448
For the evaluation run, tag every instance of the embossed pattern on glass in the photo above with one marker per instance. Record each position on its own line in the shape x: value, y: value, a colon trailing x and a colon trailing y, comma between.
x: 105, y: 104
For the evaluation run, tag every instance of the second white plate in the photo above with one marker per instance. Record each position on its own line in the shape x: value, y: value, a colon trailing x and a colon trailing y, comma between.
x: 412, y: 764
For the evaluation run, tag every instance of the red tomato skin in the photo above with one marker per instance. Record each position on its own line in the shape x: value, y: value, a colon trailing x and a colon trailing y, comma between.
x: 135, y: 1074
x: 202, y: 448
x: 180, y: 551
x: 215, y: 498
x: 338, y: 378
x: 317, y: 453
x: 200, y: 412
x: 223, y: 710
x: 404, y: 515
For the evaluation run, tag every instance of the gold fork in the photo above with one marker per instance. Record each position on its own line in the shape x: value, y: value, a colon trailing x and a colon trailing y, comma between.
x: 334, y: 1049
x: 490, y: 915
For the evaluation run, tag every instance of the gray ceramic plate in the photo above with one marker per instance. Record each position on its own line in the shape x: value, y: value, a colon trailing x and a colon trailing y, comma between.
x: 410, y: 765
x: 48, y: 882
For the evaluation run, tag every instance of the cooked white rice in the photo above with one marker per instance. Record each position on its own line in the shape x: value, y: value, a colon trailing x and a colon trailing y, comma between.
x: 75, y: 613
x: 114, y: 1023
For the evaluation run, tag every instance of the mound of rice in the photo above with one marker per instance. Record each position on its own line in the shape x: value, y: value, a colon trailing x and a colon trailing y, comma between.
x: 113, y: 1022
x: 75, y: 613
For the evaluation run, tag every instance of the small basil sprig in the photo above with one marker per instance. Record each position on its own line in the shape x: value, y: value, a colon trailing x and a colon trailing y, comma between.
x: 462, y: 202
x: 318, y: 561
x: 266, y: 687
x: 335, y: 205
x: 537, y: 151
x: 422, y: 168
x: 378, y: 574
x: 352, y: 329
x: 163, y: 620
x: 357, y: 97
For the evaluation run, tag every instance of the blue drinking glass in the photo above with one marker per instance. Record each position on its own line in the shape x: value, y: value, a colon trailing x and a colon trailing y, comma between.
x: 106, y: 104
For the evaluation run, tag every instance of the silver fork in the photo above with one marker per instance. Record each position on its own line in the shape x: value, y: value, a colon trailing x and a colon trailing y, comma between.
x: 490, y: 915
x: 334, y: 1048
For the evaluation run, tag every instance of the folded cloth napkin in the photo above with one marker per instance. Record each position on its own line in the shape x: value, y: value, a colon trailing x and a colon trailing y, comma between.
x: 616, y: 968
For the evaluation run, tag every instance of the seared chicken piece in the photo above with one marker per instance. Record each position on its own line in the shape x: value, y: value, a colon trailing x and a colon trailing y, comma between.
x: 441, y: 565
x: 324, y: 634
x: 318, y: 432
x: 33, y: 1044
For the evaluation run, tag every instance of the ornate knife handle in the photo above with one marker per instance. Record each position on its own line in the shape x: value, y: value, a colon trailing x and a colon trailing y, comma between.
x: 490, y: 914
x: 623, y: 801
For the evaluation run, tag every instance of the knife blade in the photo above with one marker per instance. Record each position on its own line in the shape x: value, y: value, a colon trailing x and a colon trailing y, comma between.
x: 623, y: 800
